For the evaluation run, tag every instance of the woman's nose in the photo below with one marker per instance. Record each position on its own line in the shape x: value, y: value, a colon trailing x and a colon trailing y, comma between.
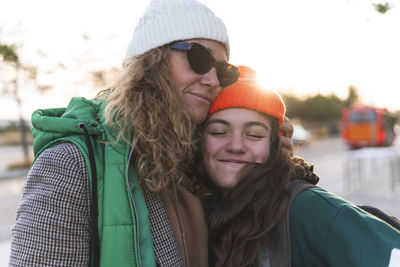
x: 210, y: 78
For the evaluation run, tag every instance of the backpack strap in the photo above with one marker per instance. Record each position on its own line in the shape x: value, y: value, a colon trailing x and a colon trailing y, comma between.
x: 282, y: 256
x: 393, y: 221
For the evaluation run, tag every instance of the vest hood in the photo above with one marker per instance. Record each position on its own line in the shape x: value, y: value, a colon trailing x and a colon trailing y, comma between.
x: 52, y: 124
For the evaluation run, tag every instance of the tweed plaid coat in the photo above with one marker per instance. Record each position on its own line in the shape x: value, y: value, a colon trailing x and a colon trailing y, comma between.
x: 52, y: 224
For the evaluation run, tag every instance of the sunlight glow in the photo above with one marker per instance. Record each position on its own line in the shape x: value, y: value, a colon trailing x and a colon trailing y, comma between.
x: 302, y: 47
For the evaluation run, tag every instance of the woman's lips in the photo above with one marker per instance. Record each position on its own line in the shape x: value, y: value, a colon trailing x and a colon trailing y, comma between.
x: 202, y: 97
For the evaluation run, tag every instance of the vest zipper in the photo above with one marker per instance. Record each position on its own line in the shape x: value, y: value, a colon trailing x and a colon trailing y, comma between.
x: 134, y: 206
x: 93, y: 207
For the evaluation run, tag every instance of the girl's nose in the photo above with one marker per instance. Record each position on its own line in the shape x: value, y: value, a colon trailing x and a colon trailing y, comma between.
x: 236, y: 144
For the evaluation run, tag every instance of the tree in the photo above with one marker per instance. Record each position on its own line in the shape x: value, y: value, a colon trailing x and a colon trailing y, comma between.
x: 318, y: 108
x: 8, y: 53
x: 294, y: 106
x: 321, y: 108
x: 352, y: 96
x: 10, y: 58
x: 382, y: 7
x: 102, y: 78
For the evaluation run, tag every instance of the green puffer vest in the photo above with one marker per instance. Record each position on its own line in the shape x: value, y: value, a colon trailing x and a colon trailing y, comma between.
x: 124, y: 229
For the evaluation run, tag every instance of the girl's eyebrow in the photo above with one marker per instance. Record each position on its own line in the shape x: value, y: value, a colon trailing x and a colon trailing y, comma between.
x: 248, y: 124
x: 224, y: 122
x: 257, y: 123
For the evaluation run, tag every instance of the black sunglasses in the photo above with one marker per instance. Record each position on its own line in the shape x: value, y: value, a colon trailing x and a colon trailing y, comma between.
x: 201, y: 61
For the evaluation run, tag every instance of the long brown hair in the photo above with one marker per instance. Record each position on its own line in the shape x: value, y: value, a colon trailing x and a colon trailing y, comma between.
x: 247, y: 218
x: 143, y: 102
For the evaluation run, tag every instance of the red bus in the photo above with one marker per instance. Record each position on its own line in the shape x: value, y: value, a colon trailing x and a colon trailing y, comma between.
x: 366, y: 126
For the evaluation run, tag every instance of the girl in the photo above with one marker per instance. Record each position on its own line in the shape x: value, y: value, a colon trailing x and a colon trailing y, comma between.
x: 252, y: 178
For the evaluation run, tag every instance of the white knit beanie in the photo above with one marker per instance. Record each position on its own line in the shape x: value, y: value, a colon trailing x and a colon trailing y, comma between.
x: 166, y: 21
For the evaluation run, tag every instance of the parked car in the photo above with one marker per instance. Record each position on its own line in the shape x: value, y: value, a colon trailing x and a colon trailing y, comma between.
x: 300, y: 135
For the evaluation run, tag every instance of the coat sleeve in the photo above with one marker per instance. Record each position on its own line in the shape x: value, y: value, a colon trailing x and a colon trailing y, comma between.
x: 326, y: 230
x: 357, y: 238
x: 52, y: 225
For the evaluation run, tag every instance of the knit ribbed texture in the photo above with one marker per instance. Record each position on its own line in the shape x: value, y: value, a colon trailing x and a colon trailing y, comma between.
x: 166, y: 21
x: 247, y: 93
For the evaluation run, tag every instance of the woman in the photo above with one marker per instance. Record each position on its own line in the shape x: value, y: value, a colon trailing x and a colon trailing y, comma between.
x: 244, y: 160
x: 109, y: 186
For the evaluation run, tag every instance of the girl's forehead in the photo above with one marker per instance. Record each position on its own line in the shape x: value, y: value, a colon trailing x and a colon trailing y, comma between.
x: 237, y: 116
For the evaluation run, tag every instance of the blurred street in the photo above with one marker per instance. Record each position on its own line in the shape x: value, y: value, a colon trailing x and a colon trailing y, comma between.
x: 329, y: 156
x: 368, y: 183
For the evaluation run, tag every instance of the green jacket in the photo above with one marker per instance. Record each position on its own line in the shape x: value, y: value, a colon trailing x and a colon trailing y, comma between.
x: 124, y: 228
x: 322, y: 229
x: 326, y: 230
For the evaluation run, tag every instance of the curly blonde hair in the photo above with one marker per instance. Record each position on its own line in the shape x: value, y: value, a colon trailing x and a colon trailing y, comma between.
x: 143, y: 102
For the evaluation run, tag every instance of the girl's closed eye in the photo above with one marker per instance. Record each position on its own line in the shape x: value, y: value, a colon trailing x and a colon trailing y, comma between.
x: 257, y: 132
x: 255, y: 135
x: 216, y: 131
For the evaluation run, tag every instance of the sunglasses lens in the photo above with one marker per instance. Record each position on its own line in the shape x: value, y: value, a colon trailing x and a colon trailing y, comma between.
x: 227, y: 74
x: 200, y: 59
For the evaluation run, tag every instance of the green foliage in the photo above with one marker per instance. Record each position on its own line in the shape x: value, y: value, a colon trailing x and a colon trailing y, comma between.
x: 294, y: 106
x: 352, y: 97
x: 397, y: 115
x: 8, y: 126
x: 8, y: 53
x: 382, y: 7
x: 319, y: 108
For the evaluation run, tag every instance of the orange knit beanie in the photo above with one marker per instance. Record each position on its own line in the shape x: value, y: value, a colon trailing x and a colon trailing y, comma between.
x: 247, y: 93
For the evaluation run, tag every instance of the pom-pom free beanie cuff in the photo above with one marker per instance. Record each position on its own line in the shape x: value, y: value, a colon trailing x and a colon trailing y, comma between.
x: 247, y: 93
x: 166, y: 21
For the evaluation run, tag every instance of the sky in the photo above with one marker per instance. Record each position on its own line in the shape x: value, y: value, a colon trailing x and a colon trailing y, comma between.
x: 300, y: 47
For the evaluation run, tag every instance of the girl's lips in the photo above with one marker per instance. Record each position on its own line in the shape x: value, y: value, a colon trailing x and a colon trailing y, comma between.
x: 233, y: 164
x: 235, y: 161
